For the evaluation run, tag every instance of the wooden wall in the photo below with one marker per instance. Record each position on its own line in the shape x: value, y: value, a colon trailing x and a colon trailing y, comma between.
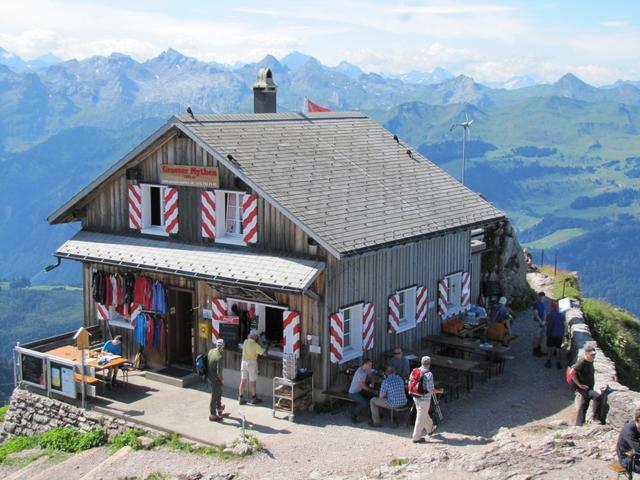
x: 130, y: 347
x: 372, y: 277
x: 107, y: 208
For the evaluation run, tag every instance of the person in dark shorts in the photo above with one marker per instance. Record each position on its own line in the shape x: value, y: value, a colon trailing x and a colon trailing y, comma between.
x: 539, y: 318
x: 555, y: 334
x: 583, y: 377
x: 628, y: 446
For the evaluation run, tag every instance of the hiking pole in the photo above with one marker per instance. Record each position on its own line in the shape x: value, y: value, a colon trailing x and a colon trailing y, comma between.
x: 436, y: 405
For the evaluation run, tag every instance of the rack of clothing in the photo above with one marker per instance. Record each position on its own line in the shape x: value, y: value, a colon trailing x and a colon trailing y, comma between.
x: 149, y: 330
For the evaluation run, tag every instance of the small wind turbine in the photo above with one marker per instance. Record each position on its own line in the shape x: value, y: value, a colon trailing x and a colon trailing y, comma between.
x: 466, y: 125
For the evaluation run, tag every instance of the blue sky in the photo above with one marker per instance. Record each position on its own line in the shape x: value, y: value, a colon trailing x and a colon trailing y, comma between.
x: 489, y: 40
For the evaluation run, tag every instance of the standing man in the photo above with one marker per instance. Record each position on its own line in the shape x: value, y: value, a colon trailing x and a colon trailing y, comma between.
x: 539, y: 310
x: 629, y: 442
x: 555, y: 334
x: 583, y: 377
x: 391, y: 396
x: 215, y: 365
x: 251, y: 350
x: 421, y: 387
x: 359, y: 387
x: 400, y: 364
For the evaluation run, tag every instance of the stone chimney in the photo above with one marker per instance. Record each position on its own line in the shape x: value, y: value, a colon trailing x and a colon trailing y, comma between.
x: 264, y: 92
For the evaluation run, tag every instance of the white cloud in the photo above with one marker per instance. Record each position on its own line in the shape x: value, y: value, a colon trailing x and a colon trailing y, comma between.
x: 614, y: 24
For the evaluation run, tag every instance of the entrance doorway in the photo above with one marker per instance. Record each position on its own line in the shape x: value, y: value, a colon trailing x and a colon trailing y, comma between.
x: 180, y: 339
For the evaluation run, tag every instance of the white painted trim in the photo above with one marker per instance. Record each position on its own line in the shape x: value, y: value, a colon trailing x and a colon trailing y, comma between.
x: 350, y: 354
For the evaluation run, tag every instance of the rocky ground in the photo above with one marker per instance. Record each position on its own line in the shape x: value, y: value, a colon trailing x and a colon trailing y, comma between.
x: 515, y: 426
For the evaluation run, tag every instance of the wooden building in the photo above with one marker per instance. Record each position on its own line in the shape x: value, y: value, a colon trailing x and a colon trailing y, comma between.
x: 329, y: 234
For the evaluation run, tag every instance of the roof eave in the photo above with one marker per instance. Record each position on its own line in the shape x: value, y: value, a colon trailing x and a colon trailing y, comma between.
x: 62, y: 213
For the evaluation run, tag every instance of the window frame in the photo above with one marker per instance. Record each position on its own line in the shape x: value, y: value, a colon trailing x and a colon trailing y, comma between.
x: 221, y: 218
x: 454, y: 279
x: 146, y: 227
x: 407, y: 320
x: 355, y: 332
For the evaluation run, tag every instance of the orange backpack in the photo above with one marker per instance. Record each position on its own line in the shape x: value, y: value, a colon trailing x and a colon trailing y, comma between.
x: 497, y: 332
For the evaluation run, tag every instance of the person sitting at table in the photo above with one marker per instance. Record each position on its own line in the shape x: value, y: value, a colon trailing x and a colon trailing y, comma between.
x: 400, y: 364
x: 500, y: 327
x: 628, y: 446
x: 391, y: 395
x: 359, y: 388
x: 112, y: 347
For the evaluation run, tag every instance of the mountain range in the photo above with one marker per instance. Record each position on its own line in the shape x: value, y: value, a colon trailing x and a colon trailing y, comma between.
x: 561, y: 159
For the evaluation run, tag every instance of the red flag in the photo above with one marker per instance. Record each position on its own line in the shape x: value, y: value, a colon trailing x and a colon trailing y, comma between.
x: 314, y: 107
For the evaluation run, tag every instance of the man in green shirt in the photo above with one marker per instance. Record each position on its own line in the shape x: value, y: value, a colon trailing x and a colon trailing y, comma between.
x: 215, y: 365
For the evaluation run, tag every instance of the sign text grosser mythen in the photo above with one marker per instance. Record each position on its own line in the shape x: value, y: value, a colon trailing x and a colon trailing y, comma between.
x: 188, y: 175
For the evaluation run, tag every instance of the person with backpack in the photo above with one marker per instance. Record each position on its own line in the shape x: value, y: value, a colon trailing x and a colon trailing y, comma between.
x: 555, y: 334
x: 582, y: 376
x: 421, y: 388
x: 215, y: 366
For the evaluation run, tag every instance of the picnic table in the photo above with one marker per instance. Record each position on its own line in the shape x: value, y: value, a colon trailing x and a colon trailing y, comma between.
x: 71, y: 353
x: 467, y: 345
x: 459, y: 365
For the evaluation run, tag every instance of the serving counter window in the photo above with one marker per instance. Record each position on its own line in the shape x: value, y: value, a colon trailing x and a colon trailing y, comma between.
x: 266, y: 319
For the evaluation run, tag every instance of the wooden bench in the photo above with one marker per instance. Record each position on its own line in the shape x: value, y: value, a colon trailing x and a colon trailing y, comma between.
x: 335, y: 395
x: 619, y: 469
x: 87, y: 379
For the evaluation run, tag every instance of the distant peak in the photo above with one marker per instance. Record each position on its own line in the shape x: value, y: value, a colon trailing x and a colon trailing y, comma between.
x: 569, y: 78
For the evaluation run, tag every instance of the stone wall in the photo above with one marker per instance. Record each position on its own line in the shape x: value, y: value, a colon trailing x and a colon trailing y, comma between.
x: 622, y: 401
x: 30, y: 413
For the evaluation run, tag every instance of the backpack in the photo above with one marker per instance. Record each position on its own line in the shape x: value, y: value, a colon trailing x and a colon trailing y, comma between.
x: 139, y: 362
x: 202, y: 366
x: 416, y: 385
x: 568, y: 375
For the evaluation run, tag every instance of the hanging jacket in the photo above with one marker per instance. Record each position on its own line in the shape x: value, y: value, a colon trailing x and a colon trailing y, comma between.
x: 129, y: 282
x: 159, y: 303
x: 140, y: 329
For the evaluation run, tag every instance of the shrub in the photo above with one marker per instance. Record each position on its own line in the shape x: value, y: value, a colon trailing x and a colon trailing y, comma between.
x: 16, y: 444
x: 70, y: 440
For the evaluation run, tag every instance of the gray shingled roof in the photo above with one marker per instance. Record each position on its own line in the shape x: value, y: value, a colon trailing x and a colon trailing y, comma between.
x: 343, y: 176
x: 204, y: 263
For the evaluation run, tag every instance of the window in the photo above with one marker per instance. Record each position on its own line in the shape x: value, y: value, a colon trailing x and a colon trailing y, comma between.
x: 153, y: 210
x: 229, y: 217
x: 407, y: 308
x: 352, y: 337
x: 454, y: 300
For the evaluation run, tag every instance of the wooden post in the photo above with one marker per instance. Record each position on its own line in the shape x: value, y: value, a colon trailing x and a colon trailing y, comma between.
x: 542, y: 259
x: 82, y: 344
x: 555, y: 265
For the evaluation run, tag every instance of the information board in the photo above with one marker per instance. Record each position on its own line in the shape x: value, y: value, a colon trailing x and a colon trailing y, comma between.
x: 32, y: 369
x: 63, y: 379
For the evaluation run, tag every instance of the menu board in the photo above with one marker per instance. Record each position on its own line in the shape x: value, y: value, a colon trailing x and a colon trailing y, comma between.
x: 63, y: 379
x: 230, y: 333
x: 32, y: 369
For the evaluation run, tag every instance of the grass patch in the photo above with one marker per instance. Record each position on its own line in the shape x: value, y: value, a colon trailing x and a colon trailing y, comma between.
x: 556, y: 238
x: 564, y: 282
x: 398, y: 462
x: 617, y: 333
x: 128, y: 439
x: 3, y: 412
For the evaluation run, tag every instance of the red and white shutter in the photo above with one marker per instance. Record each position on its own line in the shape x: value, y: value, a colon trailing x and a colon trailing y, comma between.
x: 422, y: 303
x: 218, y: 310
x: 443, y: 298
x: 250, y: 218
x: 208, y: 207
x: 368, y: 322
x: 102, y: 312
x: 465, y: 298
x: 291, y: 332
x: 394, y: 313
x: 336, y: 333
x: 171, y: 216
x: 135, y: 206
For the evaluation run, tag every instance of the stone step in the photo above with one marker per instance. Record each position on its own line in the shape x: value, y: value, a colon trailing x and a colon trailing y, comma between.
x: 27, y: 472
x: 106, y: 464
x: 74, y: 467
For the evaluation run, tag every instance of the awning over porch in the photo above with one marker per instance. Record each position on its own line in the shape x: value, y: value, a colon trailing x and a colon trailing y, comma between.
x: 214, y: 264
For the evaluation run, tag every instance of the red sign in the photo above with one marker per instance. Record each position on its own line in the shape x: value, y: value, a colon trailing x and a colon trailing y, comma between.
x: 232, y: 319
